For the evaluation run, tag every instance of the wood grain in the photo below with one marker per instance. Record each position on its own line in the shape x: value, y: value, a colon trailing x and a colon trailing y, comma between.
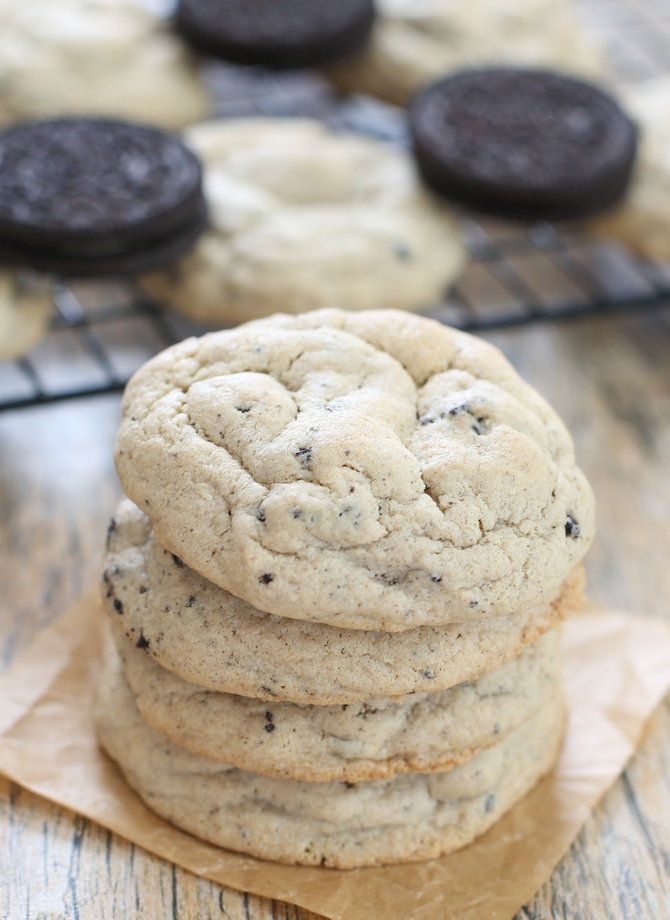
x: 609, y: 378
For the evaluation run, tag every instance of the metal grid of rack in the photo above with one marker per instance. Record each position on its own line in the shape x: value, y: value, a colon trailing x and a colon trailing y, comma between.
x: 103, y: 331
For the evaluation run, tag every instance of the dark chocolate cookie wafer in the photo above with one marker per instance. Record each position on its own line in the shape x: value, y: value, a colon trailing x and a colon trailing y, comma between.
x: 525, y: 144
x: 276, y: 33
x: 91, y: 196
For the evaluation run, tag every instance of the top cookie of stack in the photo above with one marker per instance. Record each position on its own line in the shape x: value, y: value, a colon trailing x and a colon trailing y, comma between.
x: 372, y: 471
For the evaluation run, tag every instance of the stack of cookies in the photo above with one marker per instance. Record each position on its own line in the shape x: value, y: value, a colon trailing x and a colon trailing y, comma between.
x: 336, y: 589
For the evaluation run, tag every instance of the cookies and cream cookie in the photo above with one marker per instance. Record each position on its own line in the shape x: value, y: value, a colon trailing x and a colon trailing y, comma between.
x: 374, y: 739
x: 302, y: 218
x: 211, y: 638
x: 417, y: 41
x: 96, y: 57
x: 25, y: 310
x: 370, y: 470
x: 344, y: 825
x: 642, y: 220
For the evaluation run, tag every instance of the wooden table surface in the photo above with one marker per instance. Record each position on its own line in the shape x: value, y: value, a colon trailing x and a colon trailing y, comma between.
x: 609, y: 377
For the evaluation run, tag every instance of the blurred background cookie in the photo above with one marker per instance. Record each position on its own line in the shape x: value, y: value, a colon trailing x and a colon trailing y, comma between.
x: 25, y: 311
x: 417, y: 41
x: 96, y: 57
x: 642, y: 221
x: 303, y: 217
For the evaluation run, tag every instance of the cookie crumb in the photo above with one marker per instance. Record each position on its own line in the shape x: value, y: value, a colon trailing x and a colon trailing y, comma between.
x: 304, y: 455
x: 110, y: 530
x: 572, y: 528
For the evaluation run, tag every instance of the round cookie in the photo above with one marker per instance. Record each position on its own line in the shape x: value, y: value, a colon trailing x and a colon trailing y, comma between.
x: 374, y: 739
x: 642, y: 221
x: 368, y: 470
x: 307, y: 218
x: 281, y: 34
x: 523, y: 143
x: 25, y: 310
x: 342, y: 825
x: 415, y: 43
x: 96, y: 196
x: 95, y: 57
x: 216, y: 640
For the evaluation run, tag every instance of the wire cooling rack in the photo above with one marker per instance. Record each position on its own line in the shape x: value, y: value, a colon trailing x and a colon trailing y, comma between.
x: 103, y: 331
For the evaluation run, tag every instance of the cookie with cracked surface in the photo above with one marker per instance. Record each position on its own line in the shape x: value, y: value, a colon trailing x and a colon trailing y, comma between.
x: 283, y: 34
x: 414, y: 43
x: 374, y: 739
x: 216, y: 640
x: 370, y: 470
x: 343, y: 825
x: 25, y: 310
x: 95, y: 57
x: 304, y: 217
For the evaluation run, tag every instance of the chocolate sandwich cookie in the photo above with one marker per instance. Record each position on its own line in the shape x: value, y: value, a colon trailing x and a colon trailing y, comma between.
x: 525, y: 144
x: 276, y: 33
x: 90, y: 196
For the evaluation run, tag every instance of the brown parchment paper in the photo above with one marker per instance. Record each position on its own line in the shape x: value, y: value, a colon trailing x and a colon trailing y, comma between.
x: 617, y: 669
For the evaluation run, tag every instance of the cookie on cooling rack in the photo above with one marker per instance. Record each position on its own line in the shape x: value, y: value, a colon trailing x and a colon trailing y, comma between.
x: 97, y: 57
x: 526, y: 144
x: 25, y: 310
x: 416, y: 41
x: 276, y: 33
x: 91, y: 196
x: 642, y: 221
x: 303, y: 217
